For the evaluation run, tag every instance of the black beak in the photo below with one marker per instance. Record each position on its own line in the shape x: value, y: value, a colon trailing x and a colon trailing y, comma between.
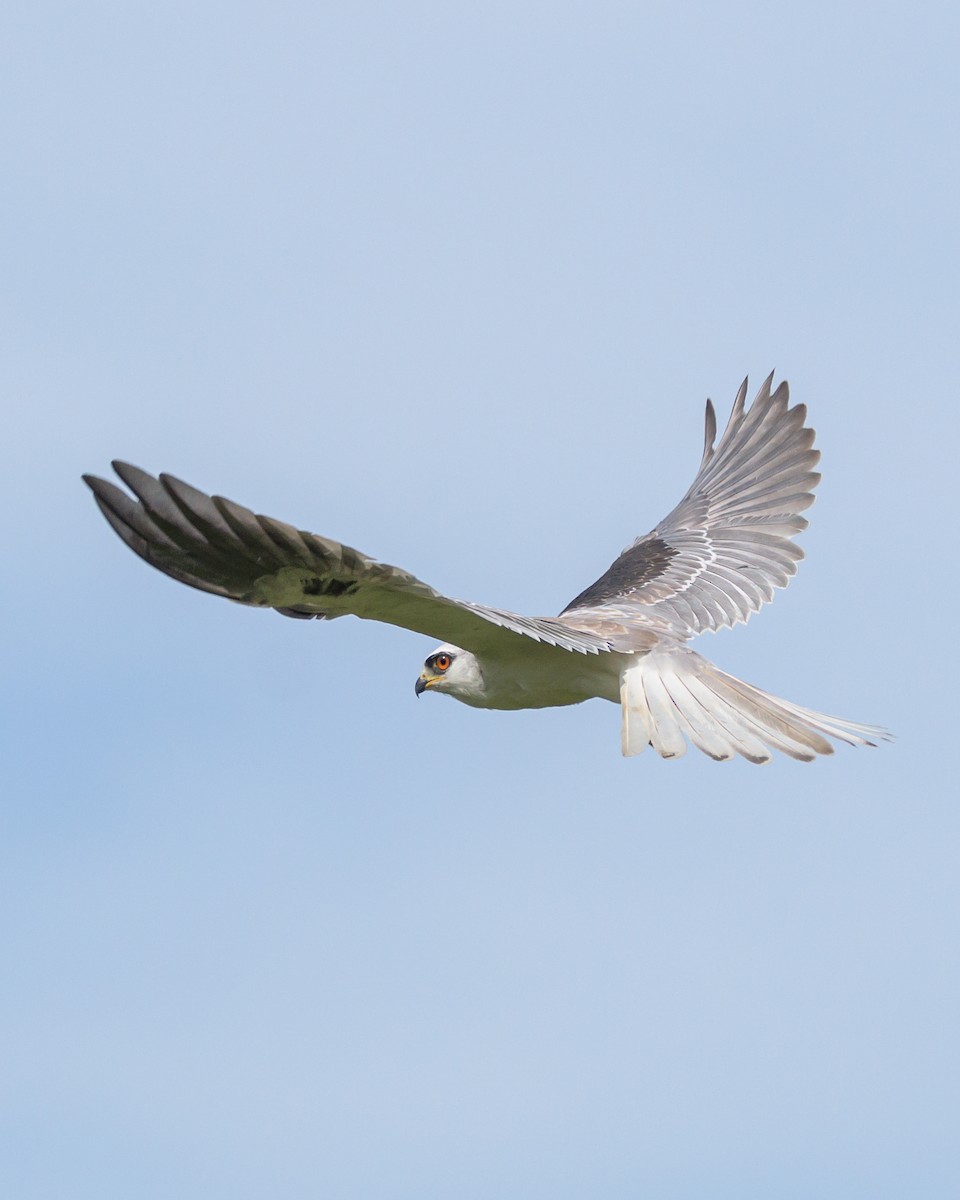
x: 420, y: 685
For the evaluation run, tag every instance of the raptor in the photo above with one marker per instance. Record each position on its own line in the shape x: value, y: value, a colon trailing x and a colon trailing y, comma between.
x: 715, y: 560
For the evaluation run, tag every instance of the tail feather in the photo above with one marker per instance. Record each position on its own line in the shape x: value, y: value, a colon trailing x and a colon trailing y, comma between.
x: 666, y: 735
x: 673, y: 694
x: 771, y: 721
x: 700, y: 725
x: 741, y: 735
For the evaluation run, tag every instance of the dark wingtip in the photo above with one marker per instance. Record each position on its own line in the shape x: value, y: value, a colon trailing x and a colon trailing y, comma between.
x: 102, y: 488
x: 120, y: 467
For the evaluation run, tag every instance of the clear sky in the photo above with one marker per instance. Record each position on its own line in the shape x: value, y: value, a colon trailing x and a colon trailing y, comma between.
x: 451, y: 283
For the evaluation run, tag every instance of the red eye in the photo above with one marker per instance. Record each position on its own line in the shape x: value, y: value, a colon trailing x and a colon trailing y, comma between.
x: 442, y: 661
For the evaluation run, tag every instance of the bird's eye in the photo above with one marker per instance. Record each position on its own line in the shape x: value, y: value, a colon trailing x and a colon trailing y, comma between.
x: 442, y: 661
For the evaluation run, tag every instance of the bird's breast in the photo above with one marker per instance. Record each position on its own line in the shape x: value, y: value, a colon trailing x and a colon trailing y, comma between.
x: 555, y: 681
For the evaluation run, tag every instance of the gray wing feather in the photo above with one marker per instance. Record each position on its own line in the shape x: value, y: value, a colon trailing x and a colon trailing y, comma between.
x: 217, y: 546
x: 728, y: 544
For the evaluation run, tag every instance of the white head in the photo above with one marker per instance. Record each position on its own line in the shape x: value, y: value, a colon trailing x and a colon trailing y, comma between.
x: 454, y: 671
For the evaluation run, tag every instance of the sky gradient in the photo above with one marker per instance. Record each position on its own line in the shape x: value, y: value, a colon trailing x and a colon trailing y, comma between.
x: 451, y: 284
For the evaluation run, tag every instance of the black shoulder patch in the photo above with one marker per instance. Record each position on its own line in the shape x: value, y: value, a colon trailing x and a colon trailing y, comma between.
x: 645, y: 561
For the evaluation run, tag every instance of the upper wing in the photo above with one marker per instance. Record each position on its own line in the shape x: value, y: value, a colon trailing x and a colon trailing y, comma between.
x: 718, y: 556
x: 215, y: 545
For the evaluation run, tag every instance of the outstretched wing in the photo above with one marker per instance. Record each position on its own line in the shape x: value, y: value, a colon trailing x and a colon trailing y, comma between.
x: 729, y: 542
x: 217, y: 546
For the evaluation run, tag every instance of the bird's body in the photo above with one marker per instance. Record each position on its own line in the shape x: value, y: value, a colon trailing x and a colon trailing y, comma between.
x: 538, y: 677
x: 711, y: 563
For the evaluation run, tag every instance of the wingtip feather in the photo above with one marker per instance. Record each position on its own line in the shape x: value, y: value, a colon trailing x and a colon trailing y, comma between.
x: 709, y: 433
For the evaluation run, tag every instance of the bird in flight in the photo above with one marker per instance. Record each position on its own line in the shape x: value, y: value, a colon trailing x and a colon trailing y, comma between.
x: 711, y: 563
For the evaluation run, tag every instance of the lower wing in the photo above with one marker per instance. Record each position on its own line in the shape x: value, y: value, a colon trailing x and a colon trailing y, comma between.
x: 212, y: 544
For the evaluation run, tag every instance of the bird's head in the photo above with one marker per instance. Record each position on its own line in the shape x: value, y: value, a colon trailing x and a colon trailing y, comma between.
x: 452, y: 670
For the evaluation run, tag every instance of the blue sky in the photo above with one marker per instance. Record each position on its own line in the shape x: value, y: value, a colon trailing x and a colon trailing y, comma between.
x: 451, y: 283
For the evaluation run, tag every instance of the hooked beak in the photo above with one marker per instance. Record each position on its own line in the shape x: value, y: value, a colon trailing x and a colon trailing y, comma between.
x: 421, y: 685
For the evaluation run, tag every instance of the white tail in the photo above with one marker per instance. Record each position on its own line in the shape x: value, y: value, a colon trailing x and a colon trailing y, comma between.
x: 674, y: 694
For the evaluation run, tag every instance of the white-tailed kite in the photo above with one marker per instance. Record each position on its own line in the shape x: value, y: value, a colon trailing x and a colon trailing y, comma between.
x: 712, y: 562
